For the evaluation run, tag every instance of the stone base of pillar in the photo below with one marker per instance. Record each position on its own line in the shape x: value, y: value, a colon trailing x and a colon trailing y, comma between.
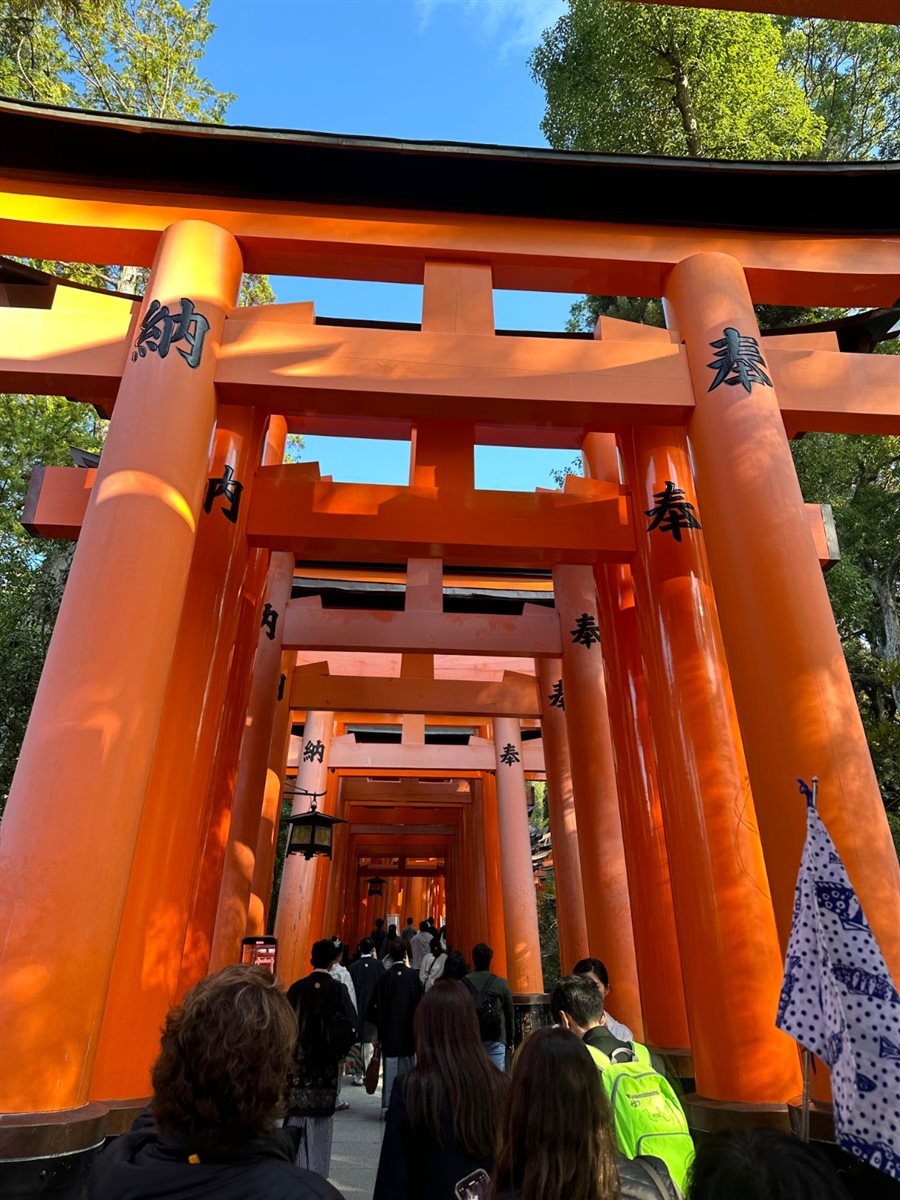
x: 122, y: 1114
x: 821, y: 1119
x: 50, y: 1152
x: 714, y: 1116
x: 532, y: 1011
x: 679, y: 1064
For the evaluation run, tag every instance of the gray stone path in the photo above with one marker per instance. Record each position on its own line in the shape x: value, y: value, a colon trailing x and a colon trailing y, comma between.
x: 357, y: 1144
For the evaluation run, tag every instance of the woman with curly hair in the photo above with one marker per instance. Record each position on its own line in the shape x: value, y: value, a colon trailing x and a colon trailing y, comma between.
x: 442, y: 1117
x: 218, y: 1088
x: 556, y: 1139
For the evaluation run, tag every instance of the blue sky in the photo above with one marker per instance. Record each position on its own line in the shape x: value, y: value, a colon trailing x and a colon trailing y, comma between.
x: 453, y: 70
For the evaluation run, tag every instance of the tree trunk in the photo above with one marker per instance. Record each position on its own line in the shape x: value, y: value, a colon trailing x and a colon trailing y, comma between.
x: 883, y: 591
x: 683, y: 100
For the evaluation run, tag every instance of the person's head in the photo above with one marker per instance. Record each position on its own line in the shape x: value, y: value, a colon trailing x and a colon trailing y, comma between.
x: 322, y: 954
x: 576, y: 1004
x: 456, y: 966
x: 453, y: 1073
x: 436, y: 947
x: 392, y: 931
x: 424, y: 927
x: 396, y: 951
x: 595, y: 970
x: 379, y: 922
x: 224, y: 1059
x: 409, y: 920
x: 761, y: 1164
x: 556, y: 1138
x: 481, y: 957
x: 366, y: 946
x: 338, y: 949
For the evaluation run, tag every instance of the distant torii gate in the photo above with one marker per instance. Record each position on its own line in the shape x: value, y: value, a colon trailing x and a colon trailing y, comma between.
x: 694, y: 651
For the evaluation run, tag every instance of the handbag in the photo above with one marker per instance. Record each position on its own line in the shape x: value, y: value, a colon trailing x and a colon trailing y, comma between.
x: 373, y: 1072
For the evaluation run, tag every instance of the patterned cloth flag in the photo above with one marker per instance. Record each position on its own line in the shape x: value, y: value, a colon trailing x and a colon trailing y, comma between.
x: 838, y: 1000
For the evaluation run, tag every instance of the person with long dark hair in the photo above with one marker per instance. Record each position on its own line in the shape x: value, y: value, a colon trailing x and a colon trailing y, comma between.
x: 556, y: 1139
x: 443, y: 1114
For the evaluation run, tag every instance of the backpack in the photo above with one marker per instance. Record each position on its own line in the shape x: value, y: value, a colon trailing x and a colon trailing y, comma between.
x: 488, y: 1010
x: 648, y: 1116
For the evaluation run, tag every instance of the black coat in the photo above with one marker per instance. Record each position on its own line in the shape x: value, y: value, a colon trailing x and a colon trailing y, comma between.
x: 634, y: 1181
x: 416, y: 1167
x: 365, y: 973
x: 391, y: 1010
x: 146, y: 1165
x: 318, y: 1000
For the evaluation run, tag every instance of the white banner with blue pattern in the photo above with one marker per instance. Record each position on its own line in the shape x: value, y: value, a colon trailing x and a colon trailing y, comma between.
x: 838, y: 1001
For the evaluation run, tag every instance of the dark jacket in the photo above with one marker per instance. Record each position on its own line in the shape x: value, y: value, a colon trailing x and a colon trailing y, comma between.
x: 391, y: 1010
x: 475, y: 981
x: 145, y: 1165
x: 379, y: 937
x: 634, y: 1180
x: 414, y: 1166
x: 318, y: 1000
x: 365, y: 973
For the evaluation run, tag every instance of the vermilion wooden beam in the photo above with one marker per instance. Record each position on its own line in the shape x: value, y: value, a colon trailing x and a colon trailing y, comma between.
x: 394, y: 757
x: 80, y: 223
x: 515, y: 696
x: 308, y: 626
x: 293, y: 367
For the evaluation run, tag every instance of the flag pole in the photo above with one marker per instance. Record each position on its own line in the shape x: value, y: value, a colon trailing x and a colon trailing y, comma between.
x: 805, y: 1055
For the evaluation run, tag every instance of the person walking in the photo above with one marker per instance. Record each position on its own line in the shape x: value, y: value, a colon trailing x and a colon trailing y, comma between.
x: 365, y: 973
x: 342, y: 974
x: 493, y: 1004
x: 378, y: 936
x: 210, y: 1132
x: 420, y: 945
x: 443, y: 1113
x: 327, y: 1030
x: 556, y: 1139
x: 433, y: 964
x: 409, y: 932
x: 391, y: 1011
x: 595, y: 970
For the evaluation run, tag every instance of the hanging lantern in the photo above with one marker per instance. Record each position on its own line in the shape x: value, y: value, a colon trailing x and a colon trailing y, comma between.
x: 311, y: 832
x: 376, y: 886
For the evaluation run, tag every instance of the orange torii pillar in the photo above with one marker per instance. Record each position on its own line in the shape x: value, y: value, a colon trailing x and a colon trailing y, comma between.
x: 298, y: 877
x: 220, y: 791
x: 264, y: 864
x: 496, y: 921
x: 74, y: 812
x: 607, y: 906
x: 796, y: 703
x: 523, y: 946
x: 246, y: 811
x: 157, y: 906
x: 726, y: 928
x: 571, y: 921
x: 650, y: 887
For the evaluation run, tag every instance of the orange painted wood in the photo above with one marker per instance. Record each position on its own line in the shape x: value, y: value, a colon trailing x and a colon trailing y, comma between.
x: 523, y: 950
x: 310, y: 627
x: 72, y: 223
x: 494, y: 917
x: 604, y: 872
x: 516, y: 695
x: 246, y: 810
x: 145, y: 976
x: 731, y: 961
x: 293, y: 917
x: 571, y: 920
x: 794, y: 696
x: 264, y: 865
x: 76, y: 801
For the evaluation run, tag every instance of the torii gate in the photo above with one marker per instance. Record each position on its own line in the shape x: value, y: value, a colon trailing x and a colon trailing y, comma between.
x: 721, y: 666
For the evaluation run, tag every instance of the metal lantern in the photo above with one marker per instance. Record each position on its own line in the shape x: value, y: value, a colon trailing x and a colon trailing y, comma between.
x: 311, y: 832
x: 376, y: 886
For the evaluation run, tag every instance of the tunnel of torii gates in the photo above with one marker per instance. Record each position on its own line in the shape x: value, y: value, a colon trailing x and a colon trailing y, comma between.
x: 654, y: 639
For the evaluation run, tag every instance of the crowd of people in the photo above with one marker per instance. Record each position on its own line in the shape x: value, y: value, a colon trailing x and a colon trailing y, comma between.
x: 249, y: 1078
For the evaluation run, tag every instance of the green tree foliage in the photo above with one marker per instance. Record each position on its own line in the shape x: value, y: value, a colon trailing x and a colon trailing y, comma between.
x: 644, y: 79
x: 133, y: 56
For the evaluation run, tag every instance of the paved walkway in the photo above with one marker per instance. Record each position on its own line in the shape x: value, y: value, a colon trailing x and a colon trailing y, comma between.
x: 357, y: 1144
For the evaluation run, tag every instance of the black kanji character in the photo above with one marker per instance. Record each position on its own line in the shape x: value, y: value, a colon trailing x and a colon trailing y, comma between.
x: 313, y: 751
x: 160, y: 329
x: 586, y: 630
x: 228, y: 487
x: 556, y: 697
x: 510, y: 754
x: 738, y: 357
x: 269, y: 621
x: 672, y: 512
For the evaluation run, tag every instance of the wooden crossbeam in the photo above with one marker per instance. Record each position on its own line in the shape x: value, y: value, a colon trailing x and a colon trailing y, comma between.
x: 307, y: 626
x: 393, y: 757
x: 69, y: 222
x: 297, y: 368
x: 515, y: 696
